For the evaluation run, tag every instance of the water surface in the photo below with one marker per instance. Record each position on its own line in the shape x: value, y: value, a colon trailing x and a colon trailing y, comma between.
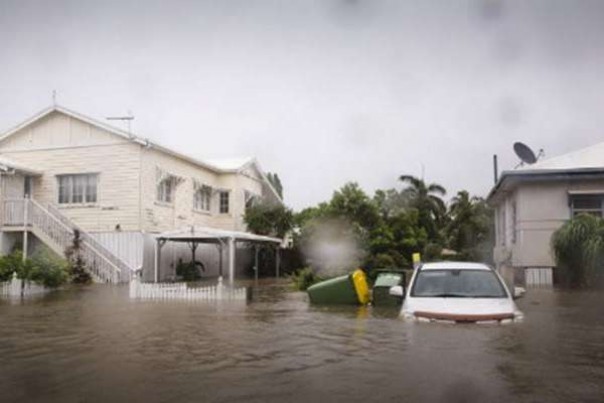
x: 96, y: 345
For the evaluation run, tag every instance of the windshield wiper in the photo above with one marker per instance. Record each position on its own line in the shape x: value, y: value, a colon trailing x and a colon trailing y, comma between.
x: 450, y: 295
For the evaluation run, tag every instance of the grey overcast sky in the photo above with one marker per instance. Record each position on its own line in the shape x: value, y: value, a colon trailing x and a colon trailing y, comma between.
x: 321, y: 92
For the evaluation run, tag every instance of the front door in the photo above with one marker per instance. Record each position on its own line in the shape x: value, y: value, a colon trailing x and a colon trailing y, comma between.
x: 28, y: 187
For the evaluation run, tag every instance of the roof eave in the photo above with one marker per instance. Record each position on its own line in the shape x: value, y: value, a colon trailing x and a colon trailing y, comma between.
x: 547, y: 174
x: 255, y: 162
x: 140, y: 141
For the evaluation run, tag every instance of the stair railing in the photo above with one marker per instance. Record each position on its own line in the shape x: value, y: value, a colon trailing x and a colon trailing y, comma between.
x: 53, y: 224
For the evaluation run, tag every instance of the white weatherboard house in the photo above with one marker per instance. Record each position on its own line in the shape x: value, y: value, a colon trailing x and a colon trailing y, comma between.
x: 63, y: 173
x: 533, y: 201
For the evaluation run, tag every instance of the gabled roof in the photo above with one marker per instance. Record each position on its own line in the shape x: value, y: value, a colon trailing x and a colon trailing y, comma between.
x: 232, y: 165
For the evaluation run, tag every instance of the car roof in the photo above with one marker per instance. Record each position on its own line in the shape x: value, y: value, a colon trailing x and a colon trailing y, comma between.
x: 455, y: 266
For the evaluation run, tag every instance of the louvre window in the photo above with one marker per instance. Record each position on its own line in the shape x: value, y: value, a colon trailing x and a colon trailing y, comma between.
x: 224, y: 202
x: 202, y: 198
x: 586, y: 204
x: 165, y: 190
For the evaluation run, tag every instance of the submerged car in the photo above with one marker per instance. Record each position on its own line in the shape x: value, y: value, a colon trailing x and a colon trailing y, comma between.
x: 459, y: 292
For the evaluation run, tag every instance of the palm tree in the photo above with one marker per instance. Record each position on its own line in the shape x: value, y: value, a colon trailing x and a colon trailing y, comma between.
x: 469, y: 228
x: 426, y: 198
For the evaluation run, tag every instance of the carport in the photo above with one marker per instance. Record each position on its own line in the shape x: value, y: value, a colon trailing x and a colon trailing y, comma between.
x: 193, y: 236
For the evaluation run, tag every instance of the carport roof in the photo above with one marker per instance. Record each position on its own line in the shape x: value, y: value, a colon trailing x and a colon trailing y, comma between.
x: 207, y: 234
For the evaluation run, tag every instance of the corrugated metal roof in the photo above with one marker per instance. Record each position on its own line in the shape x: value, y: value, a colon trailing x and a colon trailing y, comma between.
x: 586, y: 161
x: 589, y: 157
x: 230, y: 164
x: 205, y: 233
x: 227, y: 165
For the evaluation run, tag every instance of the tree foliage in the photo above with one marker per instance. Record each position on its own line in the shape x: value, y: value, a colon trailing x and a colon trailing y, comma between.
x: 274, y: 179
x: 382, y: 230
x: 269, y: 219
x: 351, y: 203
x: 44, y: 267
x: 393, y: 224
x: 469, y: 230
x: 579, y: 250
x: 78, y: 274
x: 426, y: 199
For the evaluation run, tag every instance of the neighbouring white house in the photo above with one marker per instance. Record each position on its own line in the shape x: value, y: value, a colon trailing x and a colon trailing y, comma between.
x: 533, y: 201
x: 63, y: 173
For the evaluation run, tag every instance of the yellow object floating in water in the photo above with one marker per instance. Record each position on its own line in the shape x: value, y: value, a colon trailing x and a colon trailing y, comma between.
x: 361, y: 287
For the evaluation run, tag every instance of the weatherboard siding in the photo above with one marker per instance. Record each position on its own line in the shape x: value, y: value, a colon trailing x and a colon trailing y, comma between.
x: 541, y: 208
x: 59, y: 144
x: 158, y: 217
x: 58, y: 130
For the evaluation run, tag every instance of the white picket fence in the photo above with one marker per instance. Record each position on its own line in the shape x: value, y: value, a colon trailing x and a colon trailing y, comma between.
x: 181, y: 291
x: 539, y: 277
x: 17, y: 288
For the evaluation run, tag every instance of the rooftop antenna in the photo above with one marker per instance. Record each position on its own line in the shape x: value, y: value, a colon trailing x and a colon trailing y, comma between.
x: 54, y: 97
x: 128, y: 119
x: 526, y: 155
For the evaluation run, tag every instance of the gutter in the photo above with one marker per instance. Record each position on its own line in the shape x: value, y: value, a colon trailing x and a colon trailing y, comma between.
x: 545, y: 175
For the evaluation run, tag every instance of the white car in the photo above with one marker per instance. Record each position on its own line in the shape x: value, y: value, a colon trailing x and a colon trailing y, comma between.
x: 458, y: 292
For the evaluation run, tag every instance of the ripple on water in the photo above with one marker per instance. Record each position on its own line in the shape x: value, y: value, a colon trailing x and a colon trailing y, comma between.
x: 97, y: 345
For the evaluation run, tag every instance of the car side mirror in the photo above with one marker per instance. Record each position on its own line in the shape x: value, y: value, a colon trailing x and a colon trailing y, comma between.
x: 397, y: 291
x: 519, y: 292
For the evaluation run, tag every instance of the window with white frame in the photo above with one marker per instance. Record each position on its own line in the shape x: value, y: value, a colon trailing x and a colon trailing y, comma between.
x: 166, y: 186
x: 165, y: 190
x: 224, y: 201
x: 77, y: 189
x: 587, y: 204
x: 202, y: 197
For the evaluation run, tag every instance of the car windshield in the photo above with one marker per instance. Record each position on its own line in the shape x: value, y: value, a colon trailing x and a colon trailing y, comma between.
x: 458, y: 283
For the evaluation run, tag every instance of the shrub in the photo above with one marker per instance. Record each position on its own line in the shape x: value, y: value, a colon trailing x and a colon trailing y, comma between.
x: 579, y: 249
x: 188, y: 271
x: 13, y: 263
x: 304, y: 278
x: 48, y: 269
x: 44, y: 268
x: 77, y: 270
x: 77, y: 267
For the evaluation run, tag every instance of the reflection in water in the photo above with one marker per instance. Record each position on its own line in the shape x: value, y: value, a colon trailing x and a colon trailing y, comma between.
x: 95, y: 344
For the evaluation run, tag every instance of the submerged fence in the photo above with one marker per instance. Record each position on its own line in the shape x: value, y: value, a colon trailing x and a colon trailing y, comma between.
x: 20, y: 288
x: 181, y: 291
x: 539, y: 277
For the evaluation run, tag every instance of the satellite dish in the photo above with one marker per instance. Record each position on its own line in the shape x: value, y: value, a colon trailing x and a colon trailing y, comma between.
x: 524, y: 152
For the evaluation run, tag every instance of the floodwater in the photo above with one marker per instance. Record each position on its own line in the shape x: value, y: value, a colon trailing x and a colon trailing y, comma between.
x: 96, y: 345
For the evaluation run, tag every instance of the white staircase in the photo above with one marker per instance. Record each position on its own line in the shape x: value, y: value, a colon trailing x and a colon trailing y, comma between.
x: 57, y: 231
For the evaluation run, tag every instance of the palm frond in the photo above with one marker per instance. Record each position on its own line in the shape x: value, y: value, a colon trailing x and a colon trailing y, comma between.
x: 436, y: 188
